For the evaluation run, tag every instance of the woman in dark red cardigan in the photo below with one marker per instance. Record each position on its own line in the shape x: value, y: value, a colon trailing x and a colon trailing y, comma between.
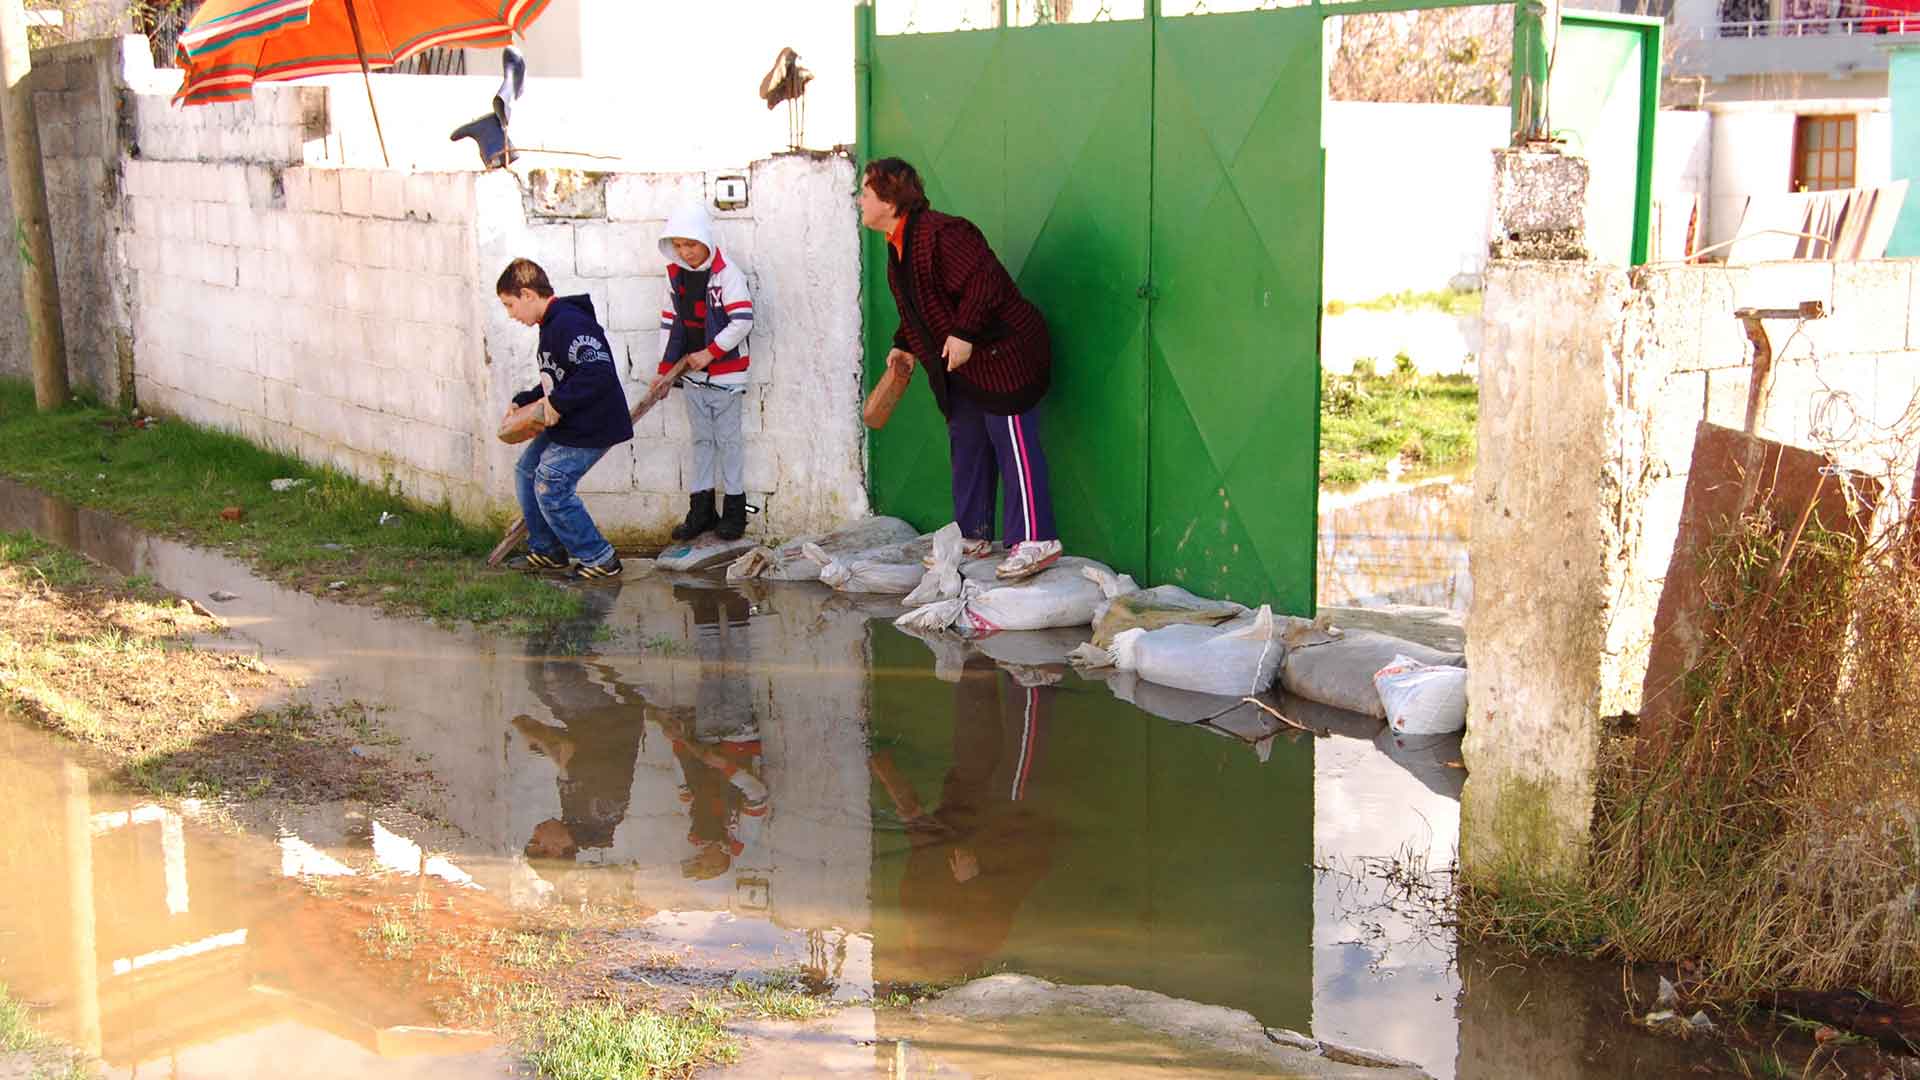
x: 985, y: 350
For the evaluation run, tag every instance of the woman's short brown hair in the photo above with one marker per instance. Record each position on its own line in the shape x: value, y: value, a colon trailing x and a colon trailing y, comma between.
x: 524, y: 274
x: 897, y: 182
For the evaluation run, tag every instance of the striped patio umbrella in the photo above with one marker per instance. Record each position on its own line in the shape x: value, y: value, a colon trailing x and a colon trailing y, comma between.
x: 232, y: 44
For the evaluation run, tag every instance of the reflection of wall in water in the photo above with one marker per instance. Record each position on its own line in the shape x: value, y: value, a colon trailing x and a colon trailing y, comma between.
x: 1171, y: 859
x: 1382, y: 973
x: 1405, y: 548
x: 452, y: 694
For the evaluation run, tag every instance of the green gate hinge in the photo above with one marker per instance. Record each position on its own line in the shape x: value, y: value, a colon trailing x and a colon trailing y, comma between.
x: 1147, y: 291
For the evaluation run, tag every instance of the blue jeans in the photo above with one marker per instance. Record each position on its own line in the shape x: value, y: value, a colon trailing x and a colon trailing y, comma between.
x: 557, y: 521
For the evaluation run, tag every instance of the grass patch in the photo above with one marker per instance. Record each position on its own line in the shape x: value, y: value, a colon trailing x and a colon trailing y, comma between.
x: 1369, y: 420
x: 16, y: 1024
x: 613, y: 1042
x: 175, y: 479
x: 777, y: 997
x: 1449, y: 301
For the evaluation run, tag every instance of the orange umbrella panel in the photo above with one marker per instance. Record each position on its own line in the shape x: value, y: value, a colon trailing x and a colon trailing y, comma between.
x: 232, y: 44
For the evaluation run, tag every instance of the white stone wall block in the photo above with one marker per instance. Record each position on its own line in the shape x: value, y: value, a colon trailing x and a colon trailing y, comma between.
x: 660, y: 469
x: 614, y: 250
x: 323, y: 190
x: 613, y: 474
x: 356, y: 192
x: 417, y: 196
x: 388, y: 195
x: 1870, y: 306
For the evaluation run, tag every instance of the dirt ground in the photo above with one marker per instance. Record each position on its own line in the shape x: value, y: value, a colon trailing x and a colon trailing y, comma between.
x: 153, y: 685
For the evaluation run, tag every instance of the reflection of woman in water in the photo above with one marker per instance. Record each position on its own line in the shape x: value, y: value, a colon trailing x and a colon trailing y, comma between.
x: 977, y: 857
x: 598, y: 737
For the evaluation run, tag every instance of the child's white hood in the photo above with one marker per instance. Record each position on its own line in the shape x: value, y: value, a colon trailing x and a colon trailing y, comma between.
x: 689, y: 222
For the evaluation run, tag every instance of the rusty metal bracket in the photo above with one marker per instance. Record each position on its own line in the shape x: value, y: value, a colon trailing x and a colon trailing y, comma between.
x: 1761, y: 386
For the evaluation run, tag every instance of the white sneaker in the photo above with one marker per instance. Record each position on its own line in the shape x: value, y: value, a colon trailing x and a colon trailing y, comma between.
x: 1028, y: 558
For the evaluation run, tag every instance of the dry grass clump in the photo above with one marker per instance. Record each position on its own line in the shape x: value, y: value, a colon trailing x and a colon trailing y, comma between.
x: 1773, y: 837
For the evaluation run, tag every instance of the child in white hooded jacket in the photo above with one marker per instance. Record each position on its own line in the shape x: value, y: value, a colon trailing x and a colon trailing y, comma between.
x: 706, y: 318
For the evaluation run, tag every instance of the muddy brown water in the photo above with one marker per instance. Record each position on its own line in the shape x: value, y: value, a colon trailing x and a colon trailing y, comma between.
x: 788, y: 782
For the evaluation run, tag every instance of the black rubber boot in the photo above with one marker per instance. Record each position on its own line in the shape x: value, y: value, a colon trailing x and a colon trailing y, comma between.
x: 700, y: 516
x: 733, y: 520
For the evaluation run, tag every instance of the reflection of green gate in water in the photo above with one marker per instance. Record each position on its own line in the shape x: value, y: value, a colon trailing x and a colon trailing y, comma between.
x: 1155, y: 186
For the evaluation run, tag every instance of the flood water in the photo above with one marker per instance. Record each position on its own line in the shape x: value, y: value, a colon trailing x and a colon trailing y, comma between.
x: 770, y: 776
x: 1401, y: 543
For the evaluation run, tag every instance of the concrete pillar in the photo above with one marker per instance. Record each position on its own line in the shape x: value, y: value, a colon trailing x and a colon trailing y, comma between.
x: 1548, y: 552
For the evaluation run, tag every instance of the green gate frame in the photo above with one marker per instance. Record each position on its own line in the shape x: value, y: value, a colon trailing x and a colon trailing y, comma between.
x: 1099, y: 499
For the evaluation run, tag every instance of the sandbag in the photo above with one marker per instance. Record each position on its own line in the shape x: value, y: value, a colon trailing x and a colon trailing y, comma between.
x: 894, y: 568
x: 789, y: 561
x: 1058, y: 596
x: 1422, y: 699
x: 1340, y: 672
x: 1128, y: 607
x: 943, y: 579
x: 1239, y: 658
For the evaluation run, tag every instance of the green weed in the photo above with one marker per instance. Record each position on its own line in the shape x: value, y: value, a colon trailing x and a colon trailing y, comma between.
x: 1367, y: 421
x: 612, y: 1042
x: 174, y: 478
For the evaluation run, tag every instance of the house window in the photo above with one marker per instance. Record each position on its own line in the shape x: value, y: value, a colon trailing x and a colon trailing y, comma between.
x: 1823, y: 153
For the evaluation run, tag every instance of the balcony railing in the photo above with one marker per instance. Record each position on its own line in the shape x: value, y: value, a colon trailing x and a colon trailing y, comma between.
x: 1809, y: 18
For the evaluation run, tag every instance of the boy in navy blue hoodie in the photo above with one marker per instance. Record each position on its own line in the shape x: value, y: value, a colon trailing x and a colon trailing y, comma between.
x: 586, y: 414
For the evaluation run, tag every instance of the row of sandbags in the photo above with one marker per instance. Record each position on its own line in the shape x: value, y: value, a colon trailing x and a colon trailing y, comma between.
x: 1164, y: 635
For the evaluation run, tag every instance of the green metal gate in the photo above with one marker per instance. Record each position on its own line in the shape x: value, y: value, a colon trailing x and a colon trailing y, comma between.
x: 1234, y: 359
x: 1154, y: 186
x: 1039, y: 137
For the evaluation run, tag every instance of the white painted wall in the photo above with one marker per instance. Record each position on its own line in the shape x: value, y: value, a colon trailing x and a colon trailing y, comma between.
x: 797, y: 243
x: 346, y: 314
x: 1753, y: 151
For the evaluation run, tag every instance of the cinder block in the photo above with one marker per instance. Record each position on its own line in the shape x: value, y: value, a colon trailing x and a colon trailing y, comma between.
x: 356, y: 192
x: 243, y: 228
x: 659, y: 469
x: 388, y: 195
x: 417, y: 197
x: 453, y: 199
x: 211, y: 224
x: 317, y: 235
x: 323, y: 189
x: 1896, y: 389
x: 762, y: 471
x: 652, y: 196
x: 1870, y: 304
x: 377, y: 243
x: 613, y: 250
x: 614, y: 473
x: 451, y: 248
x: 298, y: 188
x: 415, y: 247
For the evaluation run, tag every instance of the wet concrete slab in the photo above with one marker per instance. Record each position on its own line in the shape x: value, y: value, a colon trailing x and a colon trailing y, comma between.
x: 766, y: 778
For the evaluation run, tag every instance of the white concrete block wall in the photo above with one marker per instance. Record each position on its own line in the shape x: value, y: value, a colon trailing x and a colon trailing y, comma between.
x: 797, y: 244
x: 351, y: 339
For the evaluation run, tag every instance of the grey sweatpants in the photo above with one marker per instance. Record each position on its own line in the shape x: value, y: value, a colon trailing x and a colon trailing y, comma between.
x: 719, y: 460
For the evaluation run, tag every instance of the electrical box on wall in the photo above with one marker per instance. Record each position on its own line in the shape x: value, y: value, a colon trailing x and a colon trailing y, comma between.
x: 730, y: 192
